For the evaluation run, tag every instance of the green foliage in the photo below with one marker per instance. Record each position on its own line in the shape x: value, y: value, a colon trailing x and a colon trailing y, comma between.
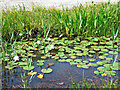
x: 83, y: 21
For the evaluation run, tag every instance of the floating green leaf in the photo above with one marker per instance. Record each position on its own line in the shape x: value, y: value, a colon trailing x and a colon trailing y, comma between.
x: 62, y: 60
x: 22, y: 63
x: 111, y: 52
x: 85, y: 66
x: 43, y: 57
x: 28, y: 68
x: 110, y: 73
x: 9, y: 67
x: 63, y: 56
x: 100, y: 63
x: 73, y: 57
x: 104, y: 50
x: 48, y: 70
x: 40, y: 60
x: 116, y: 66
x: 92, y: 59
x: 79, y: 54
x: 73, y: 63
x: 40, y: 63
x: 97, y: 72
x: 100, y: 68
x: 91, y: 51
x: 69, y: 60
x: 78, y: 60
x: 102, y: 57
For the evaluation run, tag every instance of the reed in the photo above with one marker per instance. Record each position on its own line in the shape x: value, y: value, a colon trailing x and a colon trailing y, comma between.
x: 92, y: 20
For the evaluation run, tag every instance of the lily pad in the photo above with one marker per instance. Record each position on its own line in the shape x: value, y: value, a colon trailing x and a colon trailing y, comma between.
x: 85, y: 66
x: 91, y: 51
x: 100, y: 52
x: 78, y: 60
x: 96, y: 49
x: 73, y: 57
x: 92, y: 59
x: 32, y: 73
x: 56, y: 57
x: 63, y: 57
x: 61, y: 54
x: 102, y: 43
x: 79, y: 54
x: 43, y: 57
x: 90, y: 55
x: 28, y: 68
x: 61, y: 49
x: 105, y: 61
x: 9, y: 67
x: 40, y: 63
x: 22, y: 63
x: 73, y: 63
x: 108, y: 47
x: 83, y: 42
x: 77, y: 48
x: 95, y: 43
x: 100, y: 68
x: 116, y: 66
x: 101, y: 47
x: 97, y: 72
x: 48, y: 70
x: 105, y: 38
x: 109, y: 59
x: 104, y: 50
x: 107, y: 66
x: 108, y: 43
x: 110, y: 73
x: 105, y: 54
x: 102, y: 57
x: 24, y: 59
x: 85, y: 53
x: 85, y: 61
x: 69, y: 60
x: 111, y: 52
x: 100, y: 63
x: 94, y: 64
x: 62, y: 60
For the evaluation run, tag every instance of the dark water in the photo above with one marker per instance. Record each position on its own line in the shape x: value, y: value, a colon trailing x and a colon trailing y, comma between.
x: 62, y: 72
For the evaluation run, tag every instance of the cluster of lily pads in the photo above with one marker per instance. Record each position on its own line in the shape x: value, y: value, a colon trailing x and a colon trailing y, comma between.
x: 89, y: 52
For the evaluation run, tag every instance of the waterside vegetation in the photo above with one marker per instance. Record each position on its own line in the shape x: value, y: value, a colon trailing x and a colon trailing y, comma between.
x: 84, y: 36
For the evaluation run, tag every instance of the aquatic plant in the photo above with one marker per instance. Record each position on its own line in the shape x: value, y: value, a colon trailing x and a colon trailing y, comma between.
x: 48, y: 70
x: 76, y: 21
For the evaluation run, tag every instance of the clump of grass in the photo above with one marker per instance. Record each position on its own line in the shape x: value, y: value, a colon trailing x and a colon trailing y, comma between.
x: 92, y: 20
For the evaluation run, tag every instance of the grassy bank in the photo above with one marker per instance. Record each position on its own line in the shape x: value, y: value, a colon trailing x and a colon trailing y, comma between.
x: 92, y: 20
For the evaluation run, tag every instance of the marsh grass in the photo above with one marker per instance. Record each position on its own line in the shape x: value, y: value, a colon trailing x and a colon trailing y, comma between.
x: 92, y: 20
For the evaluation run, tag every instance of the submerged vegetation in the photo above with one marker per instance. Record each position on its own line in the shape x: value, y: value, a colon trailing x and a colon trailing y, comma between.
x: 84, y: 36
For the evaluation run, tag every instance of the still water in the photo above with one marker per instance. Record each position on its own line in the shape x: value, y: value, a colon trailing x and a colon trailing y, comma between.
x: 62, y: 72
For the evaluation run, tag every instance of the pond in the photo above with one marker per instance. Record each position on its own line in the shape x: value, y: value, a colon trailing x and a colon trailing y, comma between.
x: 68, y: 61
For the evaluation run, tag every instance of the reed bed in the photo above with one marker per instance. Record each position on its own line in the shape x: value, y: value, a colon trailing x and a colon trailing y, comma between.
x: 92, y: 20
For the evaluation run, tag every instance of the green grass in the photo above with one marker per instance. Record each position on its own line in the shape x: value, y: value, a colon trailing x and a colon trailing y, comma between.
x: 92, y: 20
